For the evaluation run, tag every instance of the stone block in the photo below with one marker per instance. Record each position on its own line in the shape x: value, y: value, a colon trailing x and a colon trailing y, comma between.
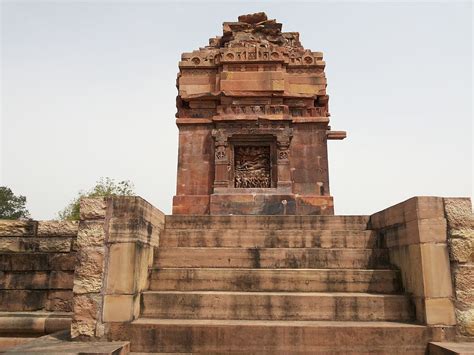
x: 59, y: 301
x: 465, y: 320
x: 31, y: 245
x: 409, y: 260
x: 436, y: 270
x: 440, y: 311
x: 14, y: 228
x: 450, y: 348
x: 92, y: 208
x: 427, y: 207
x: 459, y: 213
x: 119, y: 308
x: 90, y: 234
x: 36, y: 280
x: 86, y: 307
x: 60, y: 343
x: 37, y: 261
x: 464, y: 278
x: 121, y: 274
x: 9, y: 244
x: 126, y: 230
x: 420, y: 310
x: 253, y: 85
x: 461, y: 250
x: 305, y: 88
x: 89, y: 271
x: 431, y: 230
x: 144, y: 261
x: 57, y: 228
x: 22, y: 300
x: 191, y: 204
x: 134, y: 207
x: 314, y: 205
x: 415, y: 208
x: 252, y: 204
x: 83, y: 328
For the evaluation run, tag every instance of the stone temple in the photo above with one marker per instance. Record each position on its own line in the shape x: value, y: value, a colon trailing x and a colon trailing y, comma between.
x: 253, y: 123
x: 253, y: 259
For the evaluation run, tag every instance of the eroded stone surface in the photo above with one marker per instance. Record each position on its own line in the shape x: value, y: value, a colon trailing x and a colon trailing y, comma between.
x: 15, y: 228
x: 91, y: 234
x: 92, y: 208
x: 86, y: 306
x: 57, y: 228
x: 460, y: 220
x: 89, y: 271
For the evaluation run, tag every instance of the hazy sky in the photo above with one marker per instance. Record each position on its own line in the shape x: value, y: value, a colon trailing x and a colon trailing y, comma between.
x: 88, y: 90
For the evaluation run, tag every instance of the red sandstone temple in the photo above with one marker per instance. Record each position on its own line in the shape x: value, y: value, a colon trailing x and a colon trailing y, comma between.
x: 253, y: 124
x: 253, y: 127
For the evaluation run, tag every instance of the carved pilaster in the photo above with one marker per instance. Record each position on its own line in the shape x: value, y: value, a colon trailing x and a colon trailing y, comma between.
x: 283, y: 159
x: 221, y: 178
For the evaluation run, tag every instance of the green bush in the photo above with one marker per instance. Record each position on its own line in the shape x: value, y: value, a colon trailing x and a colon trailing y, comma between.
x: 103, y: 188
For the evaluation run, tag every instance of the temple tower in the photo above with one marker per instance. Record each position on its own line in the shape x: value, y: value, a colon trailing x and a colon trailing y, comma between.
x: 253, y: 124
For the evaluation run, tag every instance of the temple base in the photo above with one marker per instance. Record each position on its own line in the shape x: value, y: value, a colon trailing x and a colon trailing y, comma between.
x: 253, y: 204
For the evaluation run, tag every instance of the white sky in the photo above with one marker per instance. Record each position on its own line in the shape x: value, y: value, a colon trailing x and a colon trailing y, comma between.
x: 88, y: 90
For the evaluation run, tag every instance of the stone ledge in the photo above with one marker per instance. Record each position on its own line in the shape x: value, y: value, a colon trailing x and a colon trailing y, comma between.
x: 60, y: 342
x: 450, y: 348
x: 33, y: 323
x: 419, y: 207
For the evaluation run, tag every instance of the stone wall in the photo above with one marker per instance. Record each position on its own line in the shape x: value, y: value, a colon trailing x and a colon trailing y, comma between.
x: 115, y: 245
x: 431, y: 241
x: 415, y: 233
x: 36, y: 265
x: 458, y: 212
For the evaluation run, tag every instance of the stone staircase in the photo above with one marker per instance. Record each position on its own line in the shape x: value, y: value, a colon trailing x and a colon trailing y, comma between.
x: 273, y: 284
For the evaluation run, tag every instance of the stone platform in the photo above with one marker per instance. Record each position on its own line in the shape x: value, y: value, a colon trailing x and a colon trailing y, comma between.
x: 379, y: 284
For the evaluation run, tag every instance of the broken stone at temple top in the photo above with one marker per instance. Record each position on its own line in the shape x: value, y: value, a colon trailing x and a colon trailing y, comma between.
x: 253, y: 29
x: 253, y: 18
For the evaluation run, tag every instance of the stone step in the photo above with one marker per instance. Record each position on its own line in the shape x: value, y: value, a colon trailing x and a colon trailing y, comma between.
x: 276, y: 306
x: 252, y: 238
x: 282, y: 337
x: 268, y: 258
x: 267, y: 222
x: 298, y: 280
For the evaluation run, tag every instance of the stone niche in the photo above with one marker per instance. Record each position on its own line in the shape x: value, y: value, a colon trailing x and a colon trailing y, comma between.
x: 253, y: 124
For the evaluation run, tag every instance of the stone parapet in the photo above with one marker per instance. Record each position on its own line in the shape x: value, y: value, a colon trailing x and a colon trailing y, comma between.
x: 115, y: 245
x: 430, y: 239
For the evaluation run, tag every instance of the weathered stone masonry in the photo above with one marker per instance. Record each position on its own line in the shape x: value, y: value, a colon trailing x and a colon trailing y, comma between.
x: 115, y: 245
x: 253, y: 123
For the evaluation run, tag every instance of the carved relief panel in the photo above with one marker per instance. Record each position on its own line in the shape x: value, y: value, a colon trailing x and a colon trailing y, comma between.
x: 252, y: 166
x: 252, y: 156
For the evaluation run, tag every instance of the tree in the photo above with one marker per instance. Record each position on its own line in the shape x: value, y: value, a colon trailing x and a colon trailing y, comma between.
x: 104, y: 187
x: 11, y: 206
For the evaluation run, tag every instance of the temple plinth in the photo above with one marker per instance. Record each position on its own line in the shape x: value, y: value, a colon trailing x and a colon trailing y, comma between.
x: 253, y: 124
